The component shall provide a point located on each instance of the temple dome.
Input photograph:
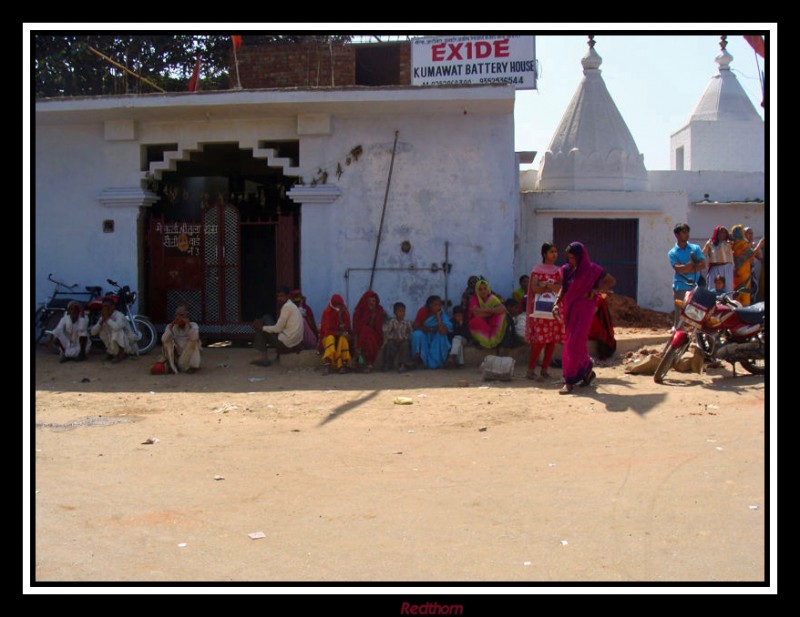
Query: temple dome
(592, 147)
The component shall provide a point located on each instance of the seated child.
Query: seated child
(459, 337)
(719, 285)
(515, 331)
(397, 340)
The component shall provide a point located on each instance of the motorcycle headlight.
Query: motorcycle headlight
(694, 313)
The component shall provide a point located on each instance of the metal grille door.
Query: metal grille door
(612, 243)
(222, 294)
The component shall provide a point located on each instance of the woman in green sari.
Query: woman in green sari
(487, 316)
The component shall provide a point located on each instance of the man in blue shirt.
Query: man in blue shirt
(688, 263)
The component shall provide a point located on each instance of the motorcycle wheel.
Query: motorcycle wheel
(755, 366)
(147, 334)
(668, 358)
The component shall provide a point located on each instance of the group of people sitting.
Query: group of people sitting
(372, 335)
(554, 304)
(72, 337)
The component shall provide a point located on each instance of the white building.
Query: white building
(192, 197)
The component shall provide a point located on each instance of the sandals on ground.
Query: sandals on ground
(589, 378)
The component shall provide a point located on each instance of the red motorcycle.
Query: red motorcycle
(124, 299)
(722, 329)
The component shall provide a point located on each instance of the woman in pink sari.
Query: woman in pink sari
(577, 301)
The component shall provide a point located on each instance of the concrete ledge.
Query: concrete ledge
(473, 356)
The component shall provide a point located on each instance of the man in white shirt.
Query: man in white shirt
(285, 335)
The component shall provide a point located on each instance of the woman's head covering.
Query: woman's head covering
(737, 233)
(362, 308)
(335, 316)
(581, 279)
(715, 236)
(336, 302)
(363, 315)
(491, 300)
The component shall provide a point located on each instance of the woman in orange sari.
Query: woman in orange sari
(368, 328)
(743, 255)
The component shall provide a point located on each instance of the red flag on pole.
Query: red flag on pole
(195, 74)
(237, 41)
(756, 42)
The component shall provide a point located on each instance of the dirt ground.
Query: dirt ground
(282, 475)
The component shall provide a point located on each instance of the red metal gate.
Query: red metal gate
(225, 282)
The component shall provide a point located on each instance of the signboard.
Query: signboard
(475, 60)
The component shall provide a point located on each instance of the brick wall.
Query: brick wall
(294, 65)
(305, 65)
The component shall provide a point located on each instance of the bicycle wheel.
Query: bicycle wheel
(50, 321)
(147, 335)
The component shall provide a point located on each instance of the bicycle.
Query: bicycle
(50, 312)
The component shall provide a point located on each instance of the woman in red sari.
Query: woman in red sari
(334, 335)
(577, 302)
(542, 333)
(368, 328)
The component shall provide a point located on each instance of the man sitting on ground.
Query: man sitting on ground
(115, 332)
(71, 335)
(284, 336)
(181, 342)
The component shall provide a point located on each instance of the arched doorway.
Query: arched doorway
(222, 237)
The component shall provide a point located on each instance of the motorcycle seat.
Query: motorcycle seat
(752, 314)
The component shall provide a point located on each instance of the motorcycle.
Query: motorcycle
(722, 329)
(124, 299)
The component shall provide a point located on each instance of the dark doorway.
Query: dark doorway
(258, 264)
(612, 243)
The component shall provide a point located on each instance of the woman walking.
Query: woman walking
(577, 302)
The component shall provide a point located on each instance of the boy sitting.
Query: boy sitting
(397, 340)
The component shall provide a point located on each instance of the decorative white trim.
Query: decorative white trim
(587, 211)
(321, 194)
(126, 197)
